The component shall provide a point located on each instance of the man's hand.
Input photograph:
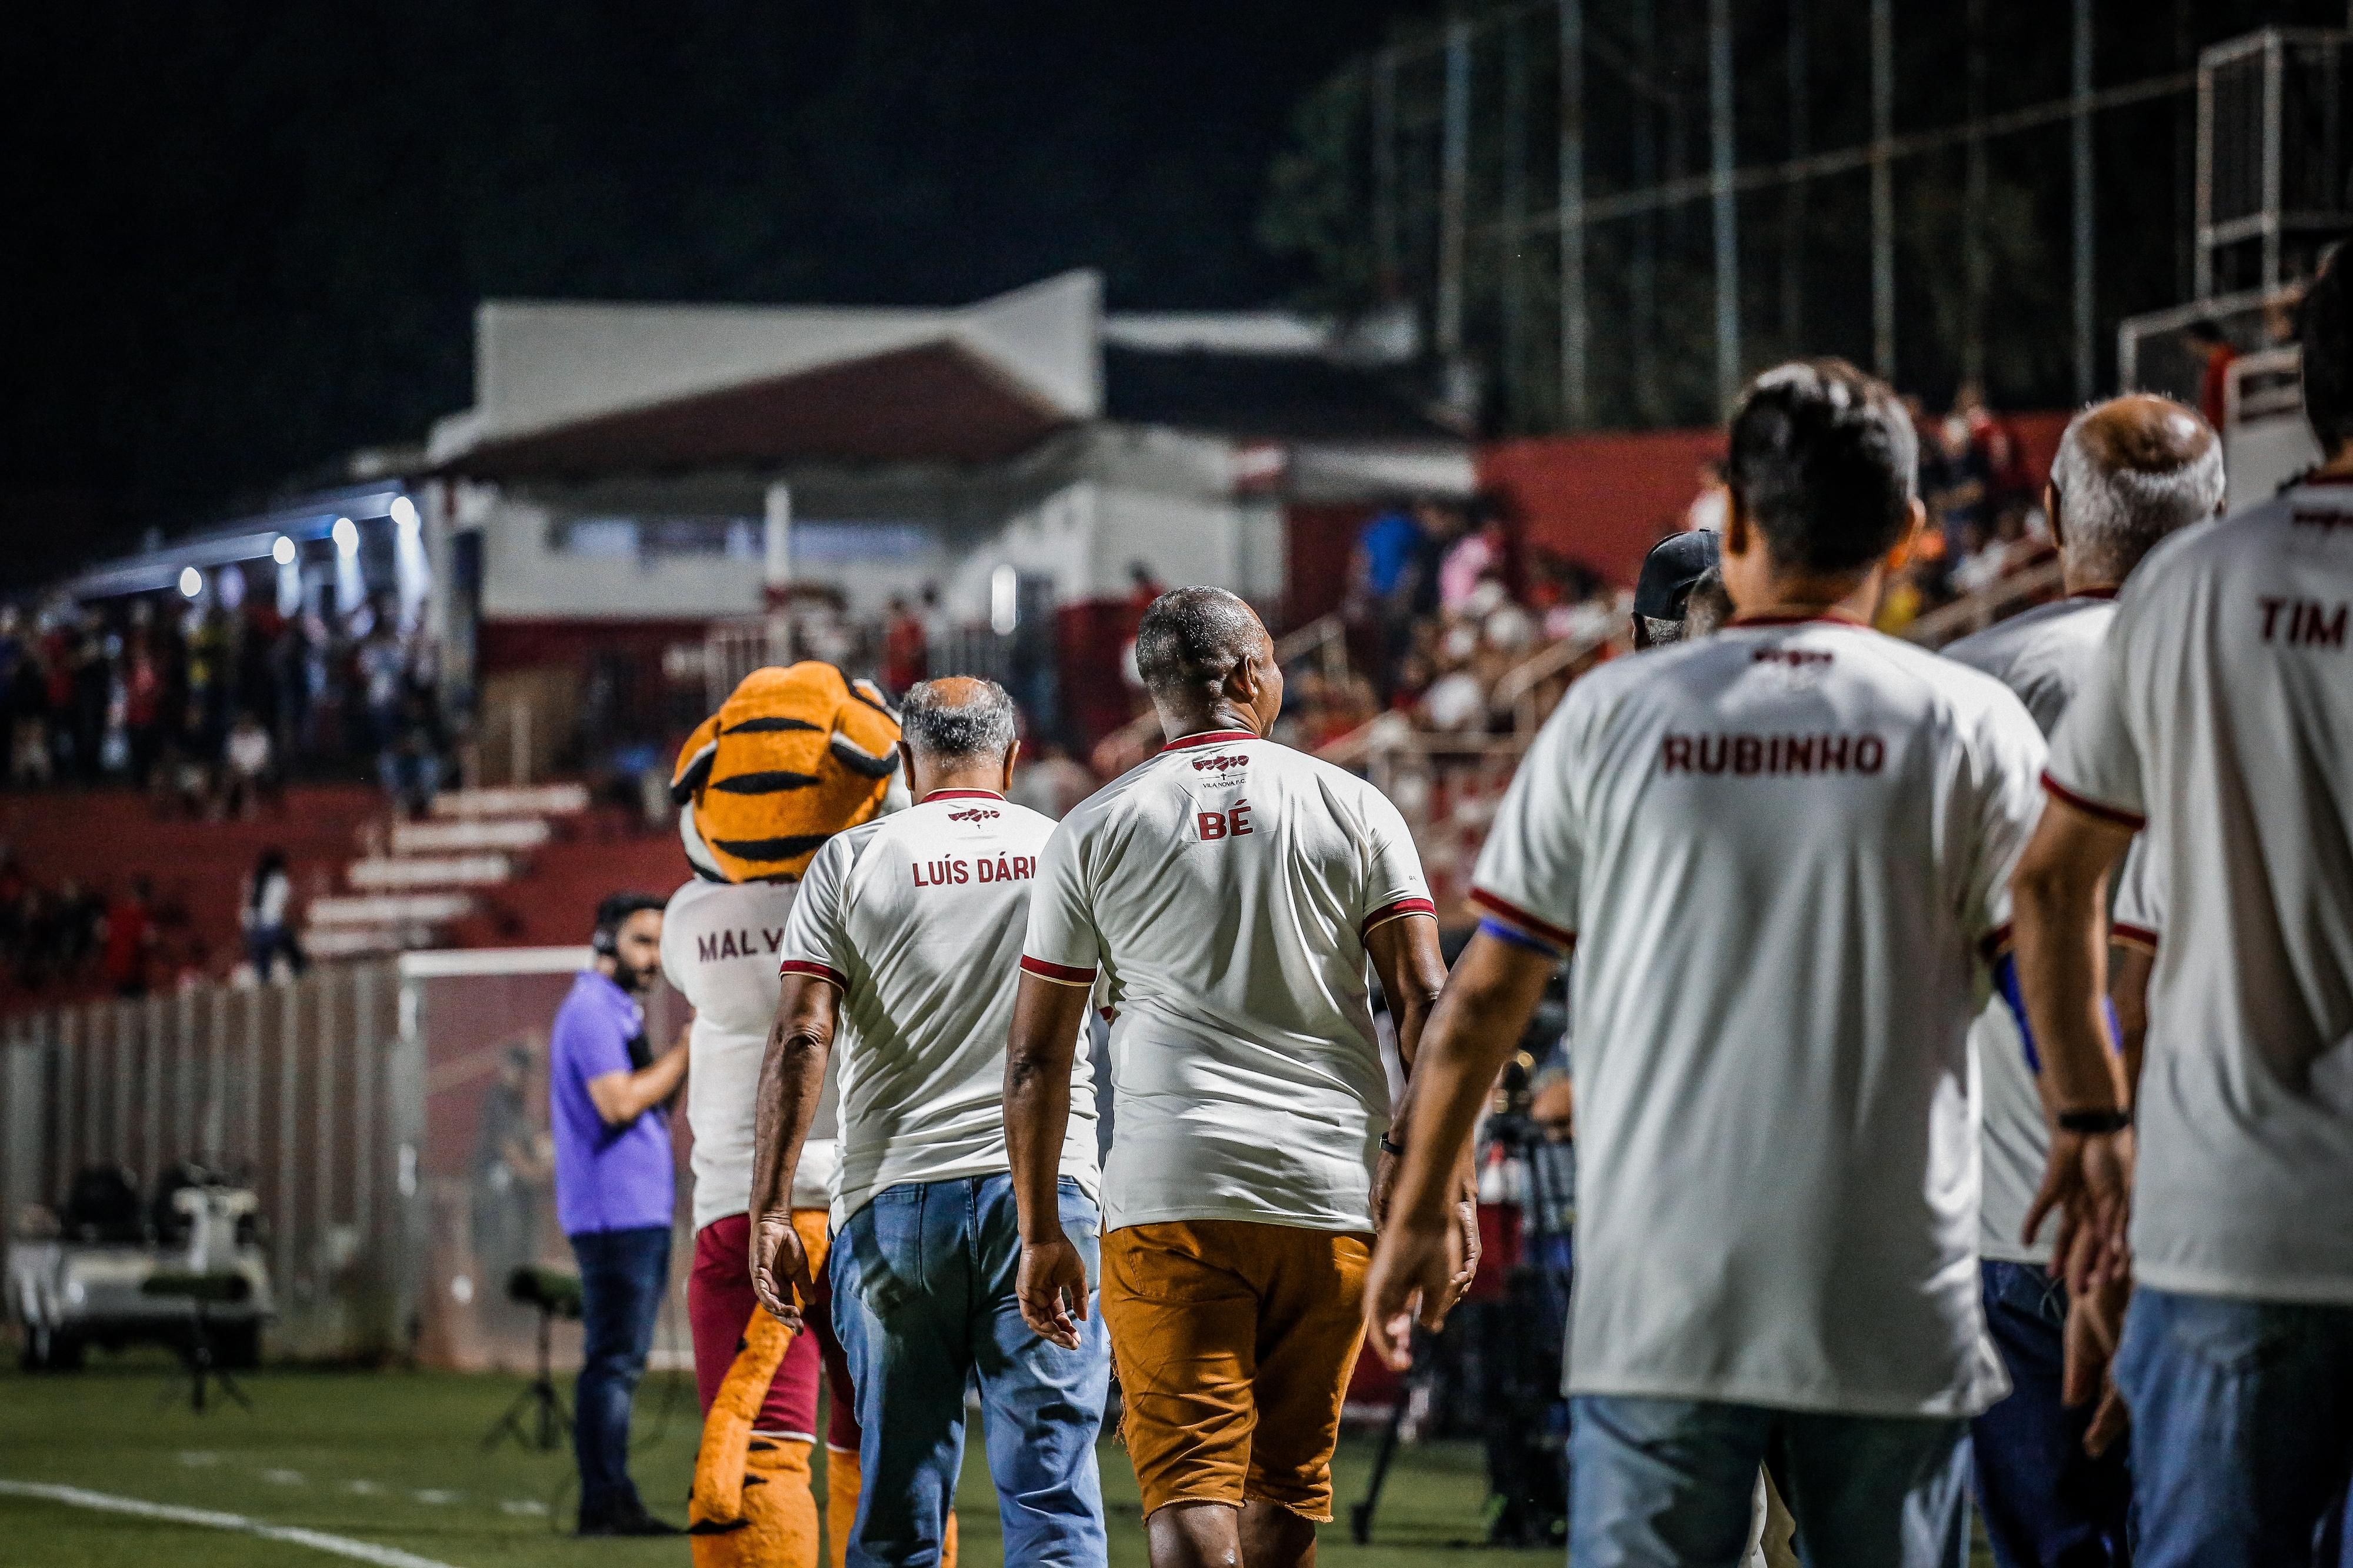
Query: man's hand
(1468, 1247)
(1051, 1288)
(2096, 1323)
(2088, 1182)
(1415, 1273)
(780, 1271)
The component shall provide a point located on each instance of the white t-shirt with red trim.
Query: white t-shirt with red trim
(1781, 852)
(1224, 890)
(2220, 710)
(2043, 655)
(918, 918)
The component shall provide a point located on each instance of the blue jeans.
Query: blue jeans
(623, 1274)
(922, 1301)
(2242, 1426)
(2044, 1499)
(1666, 1483)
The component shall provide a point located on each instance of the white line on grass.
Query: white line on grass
(317, 1540)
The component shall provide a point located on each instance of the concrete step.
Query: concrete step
(429, 871)
(391, 909)
(461, 834)
(362, 941)
(523, 800)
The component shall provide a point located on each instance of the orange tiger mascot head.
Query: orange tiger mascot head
(794, 756)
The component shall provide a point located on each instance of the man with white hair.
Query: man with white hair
(905, 945)
(2128, 473)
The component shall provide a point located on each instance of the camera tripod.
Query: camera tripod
(538, 1418)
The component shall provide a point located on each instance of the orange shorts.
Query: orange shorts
(1234, 1341)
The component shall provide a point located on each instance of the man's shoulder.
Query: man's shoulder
(2063, 622)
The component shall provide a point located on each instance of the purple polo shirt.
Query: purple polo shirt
(606, 1178)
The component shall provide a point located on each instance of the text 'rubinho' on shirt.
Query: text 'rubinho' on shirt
(1224, 890)
(2043, 655)
(2221, 712)
(918, 919)
(1781, 853)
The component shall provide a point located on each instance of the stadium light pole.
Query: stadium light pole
(1574, 327)
(1793, 240)
(1643, 277)
(1973, 201)
(1514, 297)
(1453, 190)
(1727, 208)
(1387, 281)
(2086, 352)
(1883, 189)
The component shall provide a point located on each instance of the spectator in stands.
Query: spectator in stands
(267, 917)
(1050, 782)
(1479, 551)
(130, 938)
(249, 772)
(905, 650)
(410, 764)
(615, 1194)
(2215, 353)
(1385, 576)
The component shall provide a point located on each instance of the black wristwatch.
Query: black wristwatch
(2094, 1123)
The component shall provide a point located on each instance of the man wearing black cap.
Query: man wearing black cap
(1663, 593)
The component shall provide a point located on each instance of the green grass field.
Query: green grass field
(393, 1459)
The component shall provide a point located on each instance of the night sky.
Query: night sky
(254, 233)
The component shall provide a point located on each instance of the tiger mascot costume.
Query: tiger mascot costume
(793, 757)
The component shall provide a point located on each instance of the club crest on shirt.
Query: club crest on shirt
(973, 813)
(1222, 764)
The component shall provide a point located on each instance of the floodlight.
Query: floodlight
(191, 582)
(347, 537)
(282, 550)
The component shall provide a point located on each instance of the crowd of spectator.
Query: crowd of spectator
(210, 706)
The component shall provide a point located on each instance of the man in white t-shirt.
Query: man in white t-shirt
(1228, 894)
(905, 948)
(2127, 473)
(1780, 853)
(2219, 715)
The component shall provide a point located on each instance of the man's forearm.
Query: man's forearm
(792, 1080)
(1038, 1056)
(2062, 952)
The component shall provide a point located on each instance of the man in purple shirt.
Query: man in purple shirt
(615, 1192)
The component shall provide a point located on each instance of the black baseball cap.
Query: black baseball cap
(1669, 571)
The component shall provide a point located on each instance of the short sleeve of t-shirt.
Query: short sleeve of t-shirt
(1394, 885)
(1528, 872)
(2094, 762)
(2008, 770)
(1062, 945)
(815, 943)
(2136, 915)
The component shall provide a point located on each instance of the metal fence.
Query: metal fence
(295, 1089)
(390, 1116)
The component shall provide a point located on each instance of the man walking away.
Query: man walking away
(615, 1190)
(2219, 713)
(1230, 892)
(904, 945)
(2128, 473)
(1777, 1171)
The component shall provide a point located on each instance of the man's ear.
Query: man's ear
(1901, 556)
(2051, 512)
(1012, 756)
(1737, 524)
(907, 762)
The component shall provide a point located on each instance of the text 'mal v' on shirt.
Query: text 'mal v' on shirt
(1223, 891)
(1779, 853)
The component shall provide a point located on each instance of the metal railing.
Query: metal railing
(1948, 622)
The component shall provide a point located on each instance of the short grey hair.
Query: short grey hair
(2121, 492)
(938, 726)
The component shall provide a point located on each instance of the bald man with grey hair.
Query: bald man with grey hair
(905, 948)
(2129, 473)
